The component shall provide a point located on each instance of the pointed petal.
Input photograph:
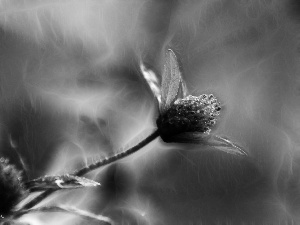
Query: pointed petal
(215, 141)
(225, 145)
(171, 79)
(152, 81)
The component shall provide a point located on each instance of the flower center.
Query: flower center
(190, 114)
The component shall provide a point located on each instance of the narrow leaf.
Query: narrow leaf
(71, 210)
(66, 181)
(11, 222)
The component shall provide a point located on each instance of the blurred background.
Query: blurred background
(71, 92)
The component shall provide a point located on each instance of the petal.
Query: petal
(152, 80)
(225, 145)
(171, 80)
(215, 141)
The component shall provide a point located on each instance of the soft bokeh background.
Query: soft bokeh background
(71, 92)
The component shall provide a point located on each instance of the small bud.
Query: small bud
(66, 181)
(11, 187)
(190, 114)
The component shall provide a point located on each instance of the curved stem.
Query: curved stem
(117, 156)
(94, 166)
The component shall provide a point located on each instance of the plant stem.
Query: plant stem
(117, 156)
(94, 166)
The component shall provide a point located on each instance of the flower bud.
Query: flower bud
(190, 114)
(11, 186)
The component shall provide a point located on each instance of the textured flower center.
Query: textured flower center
(190, 114)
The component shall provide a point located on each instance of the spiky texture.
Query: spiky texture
(11, 186)
(190, 114)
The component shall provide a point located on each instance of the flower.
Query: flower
(190, 114)
(11, 187)
(13, 190)
(185, 118)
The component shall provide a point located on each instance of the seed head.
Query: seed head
(11, 186)
(190, 114)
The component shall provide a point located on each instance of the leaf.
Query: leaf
(12, 222)
(152, 81)
(66, 181)
(171, 79)
(71, 210)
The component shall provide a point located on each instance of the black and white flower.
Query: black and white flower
(185, 118)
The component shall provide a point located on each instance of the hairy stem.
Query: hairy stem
(118, 156)
(94, 166)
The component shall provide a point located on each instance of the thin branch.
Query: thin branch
(96, 165)
(65, 209)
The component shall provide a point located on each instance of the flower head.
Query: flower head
(11, 186)
(185, 118)
(190, 114)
